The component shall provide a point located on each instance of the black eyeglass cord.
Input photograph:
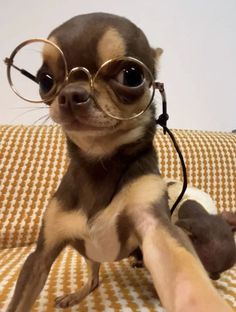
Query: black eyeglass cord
(162, 121)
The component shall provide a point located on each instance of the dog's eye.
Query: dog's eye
(130, 76)
(45, 82)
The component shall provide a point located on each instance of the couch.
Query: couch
(33, 160)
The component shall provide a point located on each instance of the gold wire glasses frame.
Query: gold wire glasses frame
(67, 74)
(9, 62)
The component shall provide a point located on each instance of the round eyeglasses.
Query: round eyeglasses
(37, 71)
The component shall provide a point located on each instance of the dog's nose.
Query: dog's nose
(72, 97)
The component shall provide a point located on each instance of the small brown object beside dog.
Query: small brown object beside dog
(211, 235)
(112, 198)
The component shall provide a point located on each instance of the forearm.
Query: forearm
(179, 277)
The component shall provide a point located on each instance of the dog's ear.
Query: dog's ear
(157, 54)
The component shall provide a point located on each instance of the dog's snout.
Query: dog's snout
(73, 96)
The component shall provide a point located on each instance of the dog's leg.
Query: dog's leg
(66, 301)
(179, 278)
(33, 275)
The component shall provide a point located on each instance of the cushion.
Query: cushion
(32, 162)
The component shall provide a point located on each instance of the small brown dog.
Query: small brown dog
(112, 198)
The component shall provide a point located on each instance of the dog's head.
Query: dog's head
(87, 116)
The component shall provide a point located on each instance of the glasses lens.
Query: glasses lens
(129, 86)
(36, 71)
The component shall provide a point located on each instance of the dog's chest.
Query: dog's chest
(105, 238)
(105, 243)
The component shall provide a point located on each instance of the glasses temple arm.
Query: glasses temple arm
(24, 72)
(162, 120)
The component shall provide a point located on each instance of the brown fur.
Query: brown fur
(112, 184)
(211, 236)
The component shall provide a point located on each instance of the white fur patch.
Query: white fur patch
(192, 193)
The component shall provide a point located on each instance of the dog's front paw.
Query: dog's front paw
(67, 301)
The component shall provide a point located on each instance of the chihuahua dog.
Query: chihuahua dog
(112, 198)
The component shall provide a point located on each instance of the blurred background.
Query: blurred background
(198, 66)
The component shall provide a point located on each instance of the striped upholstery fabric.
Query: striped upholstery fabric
(32, 162)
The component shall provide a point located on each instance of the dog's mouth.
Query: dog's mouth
(85, 117)
(80, 123)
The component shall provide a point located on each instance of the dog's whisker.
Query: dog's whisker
(41, 118)
(24, 113)
(46, 120)
(103, 165)
(29, 107)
